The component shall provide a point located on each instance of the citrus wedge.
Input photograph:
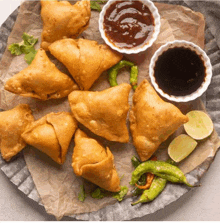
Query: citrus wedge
(181, 147)
(199, 126)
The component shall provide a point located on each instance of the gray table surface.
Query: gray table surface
(201, 203)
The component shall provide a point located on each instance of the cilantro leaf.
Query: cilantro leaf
(26, 49)
(94, 5)
(26, 46)
(120, 195)
(15, 49)
(29, 39)
(99, 193)
(82, 194)
(30, 56)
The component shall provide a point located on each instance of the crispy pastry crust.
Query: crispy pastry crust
(41, 80)
(95, 163)
(152, 120)
(52, 134)
(12, 124)
(104, 112)
(63, 20)
(85, 59)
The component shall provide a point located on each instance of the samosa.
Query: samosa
(52, 134)
(103, 112)
(41, 79)
(61, 20)
(12, 124)
(94, 163)
(152, 120)
(85, 59)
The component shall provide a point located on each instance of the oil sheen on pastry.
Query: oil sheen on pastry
(152, 120)
(41, 79)
(85, 59)
(61, 20)
(52, 134)
(103, 112)
(12, 124)
(94, 163)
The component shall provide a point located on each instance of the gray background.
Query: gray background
(202, 203)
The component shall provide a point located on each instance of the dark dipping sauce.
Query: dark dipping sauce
(179, 71)
(128, 24)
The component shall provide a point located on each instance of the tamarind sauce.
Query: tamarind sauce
(128, 24)
(179, 71)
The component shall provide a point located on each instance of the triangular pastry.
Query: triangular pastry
(103, 112)
(12, 124)
(85, 59)
(61, 20)
(152, 120)
(41, 80)
(52, 134)
(94, 163)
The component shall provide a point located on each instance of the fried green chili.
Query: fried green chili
(162, 169)
(136, 162)
(133, 77)
(137, 191)
(113, 72)
(156, 188)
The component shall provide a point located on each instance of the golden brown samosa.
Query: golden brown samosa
(41, 80)
(12, 124)
(152, 120)
(94, 163)
(85, 59)
(103, 112)
(63, 20)
(52, 134)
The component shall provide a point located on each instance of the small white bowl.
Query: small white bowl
(203, 56)
(141, 47)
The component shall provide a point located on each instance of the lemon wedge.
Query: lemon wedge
(181, 147)
(199, 126)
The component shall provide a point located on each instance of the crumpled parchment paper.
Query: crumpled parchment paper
(57, 185)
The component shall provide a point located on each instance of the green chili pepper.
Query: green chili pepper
(113, 72)
(156, 188)
(133, 77)
(136, 162)
(162, 169)
(137, 191)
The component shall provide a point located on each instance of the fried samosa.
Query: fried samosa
(52, 134)
(104, 112)
(94, 163)
(12, 124)
(152, 120)
(85, 59)
(63, 20)
(41, 80)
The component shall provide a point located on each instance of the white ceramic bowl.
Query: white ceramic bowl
(203, 56)
(141, 47)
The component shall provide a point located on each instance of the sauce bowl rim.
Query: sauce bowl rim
(142, 47)
(198, 51)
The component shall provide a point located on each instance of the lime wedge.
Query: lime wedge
(199, 126)
(181, 147)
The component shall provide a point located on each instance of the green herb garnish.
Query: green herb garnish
(26, 46)
(99, 193)
(82, 194)
(121, 194)
(95, 5)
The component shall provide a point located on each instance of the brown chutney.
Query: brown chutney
(179, 71)
(128, 24)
